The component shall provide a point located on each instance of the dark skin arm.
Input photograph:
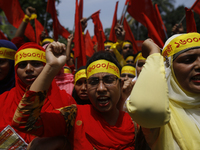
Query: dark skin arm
(21, 29)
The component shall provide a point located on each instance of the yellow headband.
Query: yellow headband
(124, 43)
(108, 44)
(102, 66)
(30, 54)
(129, 58)
(139, 57)
(128, 69)
(67, 70)
(182, 42)
(47, 40)
(7, 53)
(80, 74)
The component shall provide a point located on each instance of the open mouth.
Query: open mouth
(196, 79)
(30, 78)
(103, 101)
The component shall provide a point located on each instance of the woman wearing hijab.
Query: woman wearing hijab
(29, 62)
(7, 73)
(165, 100)
(80, 87)
(97, 126)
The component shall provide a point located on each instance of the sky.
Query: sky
(66, 10)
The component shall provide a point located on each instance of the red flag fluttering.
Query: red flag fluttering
(129, 36)
(162, 29)
(196, 6)
(79, 47)
(190, 22)
(57, 27)
(38, 30)
(152, 33)
(15, 15)
(88, 45)
(98, 30)
(112, 36)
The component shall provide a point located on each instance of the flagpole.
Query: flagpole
(121, 23)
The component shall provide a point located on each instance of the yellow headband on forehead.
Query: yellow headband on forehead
(7, 53)
(80, 74)
(182, 42)
(102, 66)
(30, 54)
(108, 44)
(128, 69)
(47, 40)
(139, 57)
(124, 43)
(67, 70)
(129, 58)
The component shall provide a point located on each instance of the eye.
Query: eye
(93, 81)
(108, 79)
(36, 63)
(3, 61)
(131, 76)
(123, 75)
(189, 60)
(79, 83)
(22, 64)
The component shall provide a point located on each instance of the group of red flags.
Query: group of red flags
(147, 14)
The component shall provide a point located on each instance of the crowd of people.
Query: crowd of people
(119, 100)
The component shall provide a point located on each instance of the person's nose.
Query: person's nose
(101, 87)
(84, 87)
(29, 68)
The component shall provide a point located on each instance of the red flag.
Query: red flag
(129, 36)
(98, 30)
(94, 40)
(79, 47)
(38, 30)
(162, 29)
(152, 33)
(2, 36)
(15, 15)
(80, 7)
(190, 22)
(57, 27)
(137, 7)
(196, 6)
(88, 45)
(139, 44)
(112, 36)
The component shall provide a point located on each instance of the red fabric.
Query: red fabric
(9, 100)
(196, 6)
(129, 36)
(190, 22)
(38, 30)
(96, 132)
(18, 41)
(162, 29)
(98, 30)
(88, 45)
(57, 27)
(112, 36)
(94, 40)
(152, 33)
(79, 45)
(139, 44)
(2, 36)
(137, 7)
(80, 7)
(15, 15)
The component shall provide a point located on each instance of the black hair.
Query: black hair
(103, 55)
(128, 41)
(108, 41)
(129, 54)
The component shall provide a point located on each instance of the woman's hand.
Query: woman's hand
(56, 54)
(149, 47)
